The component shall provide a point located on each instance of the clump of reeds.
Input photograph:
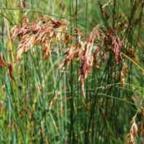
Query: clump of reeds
(88, 52)
(93, 50)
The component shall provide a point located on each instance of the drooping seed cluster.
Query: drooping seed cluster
(41, 32)
(89, 52)
(137, 128)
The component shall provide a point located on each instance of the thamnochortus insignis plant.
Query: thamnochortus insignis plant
(45, 31)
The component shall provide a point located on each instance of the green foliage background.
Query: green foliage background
(44, 104)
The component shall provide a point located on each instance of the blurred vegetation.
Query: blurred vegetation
(44, 104)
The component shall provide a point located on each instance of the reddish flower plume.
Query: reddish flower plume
(112, 40)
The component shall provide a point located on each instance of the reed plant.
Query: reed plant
(71, 72)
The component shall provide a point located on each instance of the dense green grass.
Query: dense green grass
(44, 104)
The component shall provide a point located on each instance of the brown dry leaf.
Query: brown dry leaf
(10, 68)
(2, 61)
(4, 64)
